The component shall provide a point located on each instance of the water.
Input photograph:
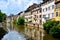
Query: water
(13, 34)
(16, 32)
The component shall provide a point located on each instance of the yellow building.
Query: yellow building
(57, 10)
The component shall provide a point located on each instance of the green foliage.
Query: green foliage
(21, 21)
(2, 17)
(15, 22)
(2, 32)
(49, 24)
(53, 28)
(55, 31)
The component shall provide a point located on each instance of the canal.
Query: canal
(21, 32)
(14, 32)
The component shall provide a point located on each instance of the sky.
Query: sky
(16, 6)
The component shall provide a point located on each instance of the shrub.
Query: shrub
(21, 21)
(49, 24)
(55, 31)
(15, 22)
(53, 28)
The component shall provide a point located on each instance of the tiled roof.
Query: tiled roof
(20, 13)
(32, 7)
(46, 2)
(57, 1)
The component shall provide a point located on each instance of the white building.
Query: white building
(33, 14)
(47, 10)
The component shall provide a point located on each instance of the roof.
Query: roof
(32, 7)
(46, 1)
(20, 13)
(58, 1)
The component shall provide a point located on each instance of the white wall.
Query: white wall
(48, 11)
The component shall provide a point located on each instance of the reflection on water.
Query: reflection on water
(34, 32)
(13, 34)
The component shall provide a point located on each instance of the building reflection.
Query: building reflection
(34, 32)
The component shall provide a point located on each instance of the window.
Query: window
(44, 16)
(36, 16)
(48, 8)
(40, 21)
(48, 15)
(43, 10)
(31, 13)
(52, 14)
(40, 16)
(57, 5)
(56, 14)
(52, 6)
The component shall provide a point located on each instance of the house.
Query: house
(20, 14)
(57, 10)
(47, 10)
(33, 14)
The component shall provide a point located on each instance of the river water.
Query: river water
(16, 32)
(13, 33)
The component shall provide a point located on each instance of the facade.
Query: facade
(10, 19)
(28, 17)
(47, 10)
(21, 14)
(33, 14)
(39, 13)
(57, 10)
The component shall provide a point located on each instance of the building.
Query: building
(47, 10)
(10, 19)
(33, 14)
(20, 14)
(57, 10)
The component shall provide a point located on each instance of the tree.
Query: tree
(15, 22)
(2, 16)
(49, 24)
(53, 28)
(55, 31)
(21, 21)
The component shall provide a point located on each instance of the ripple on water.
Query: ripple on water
(13, 35)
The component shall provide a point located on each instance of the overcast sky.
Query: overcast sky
(15, 6)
